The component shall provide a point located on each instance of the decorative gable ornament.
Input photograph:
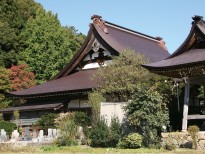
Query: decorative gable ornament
(96, 46)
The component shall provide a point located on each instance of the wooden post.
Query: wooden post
(186, 105)
(204, 94)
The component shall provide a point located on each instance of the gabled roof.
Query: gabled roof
(116, 38)
(120, 38)
(188, 57)
(112, 37)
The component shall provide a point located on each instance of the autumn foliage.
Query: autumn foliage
(21, 77)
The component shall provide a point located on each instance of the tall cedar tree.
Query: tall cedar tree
(5, 86)
(10, 23)
(13, 17)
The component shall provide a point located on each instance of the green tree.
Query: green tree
(99, 136)
(31, 35)
(147, 113)
(115, 131)
(16, 115)
(10, 24)
(95, 98)
(27, 9)
(68, 129)
(13, 18)
(118, 81)
(48, 46)
(125, 79)
(47, 121)
(5, 86)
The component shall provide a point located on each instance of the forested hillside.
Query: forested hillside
(34, 38)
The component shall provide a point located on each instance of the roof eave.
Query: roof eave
(194, 65)
(49, 94)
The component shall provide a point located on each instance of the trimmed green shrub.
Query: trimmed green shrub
(7, 126)
(99, 136)
(115, 131)
(146, 114)
(47, 121)
(132, 141)
(95, 97)
(81, 119)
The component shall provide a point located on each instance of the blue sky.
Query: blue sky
(170, 20)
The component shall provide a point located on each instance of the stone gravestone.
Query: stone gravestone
(54, 133)
(27, 134)
(50, 134)
(58, 132)
(41, 136)
(15, 135)
(3, 136)
(34, 134)
(80, 135)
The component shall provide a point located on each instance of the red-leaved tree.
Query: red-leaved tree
(21, 77)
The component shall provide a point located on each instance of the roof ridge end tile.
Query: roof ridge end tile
(99, 22)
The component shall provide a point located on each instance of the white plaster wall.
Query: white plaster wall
(110, 109)
(91, 65)
(96, 65)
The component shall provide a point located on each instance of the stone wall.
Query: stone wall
(183, 139)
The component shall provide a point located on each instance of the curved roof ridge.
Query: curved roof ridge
(198, 23)
(157, 39)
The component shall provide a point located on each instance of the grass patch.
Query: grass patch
(88, 150)
(13, 148)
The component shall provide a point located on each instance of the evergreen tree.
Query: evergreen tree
(118, 81)
(31, 35)
(48, 46)
(13, 17)
(5, 86)
(10, 23)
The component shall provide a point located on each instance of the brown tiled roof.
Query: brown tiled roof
(190, 57)
(191, 54)
(113, 37)
(54, 106)
(120, 38)
(74, 82)
(116, 39)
